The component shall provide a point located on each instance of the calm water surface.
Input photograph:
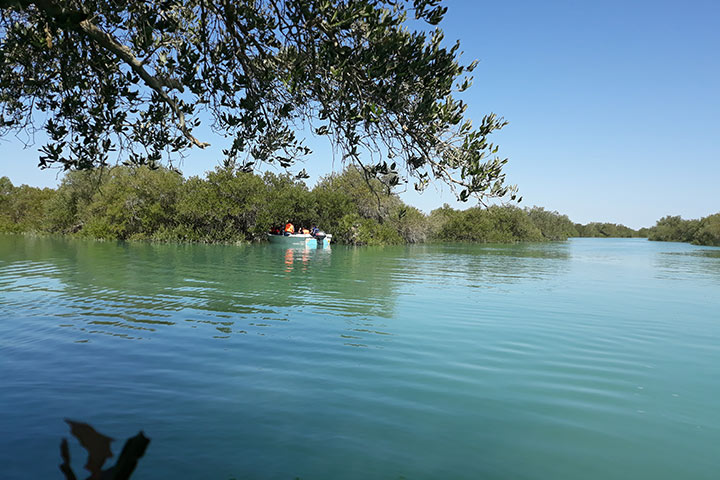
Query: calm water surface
(592, 359)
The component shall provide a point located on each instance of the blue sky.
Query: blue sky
(614, 107)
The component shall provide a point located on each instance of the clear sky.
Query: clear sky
(614, 107)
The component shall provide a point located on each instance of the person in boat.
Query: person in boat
(289, 228)
(305, 231)
(314, 230)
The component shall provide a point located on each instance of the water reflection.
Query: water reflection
(137, 290)
(683, 261)
(300, 257)
(490, 265)
(247, 351)
(116, 288)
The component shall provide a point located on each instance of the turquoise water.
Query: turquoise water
(592, 359)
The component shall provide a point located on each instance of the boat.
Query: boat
(320, 240)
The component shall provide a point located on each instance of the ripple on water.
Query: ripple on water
(460, 361)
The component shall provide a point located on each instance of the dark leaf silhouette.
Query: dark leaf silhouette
(65, 466)
(98, 447)
(96, 444)
(133, 450)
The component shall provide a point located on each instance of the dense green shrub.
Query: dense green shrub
(552, 225)
(709, 231)
(66, 211)
(363, 212)
(492, 225)
(705, 231)
(224, 207)
(230, 206)
(437, 220)
(356, 230)
(286, 199)
(370, 197)
(605, 230)
(133, 204)
(22, 209)
(331, 205)
(410, 223)
(674, 229)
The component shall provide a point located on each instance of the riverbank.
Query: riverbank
(227, 206)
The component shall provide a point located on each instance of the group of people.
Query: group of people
(290, 230)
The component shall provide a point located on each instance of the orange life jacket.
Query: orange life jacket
(289, 228)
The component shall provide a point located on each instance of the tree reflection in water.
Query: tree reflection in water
(138, 290)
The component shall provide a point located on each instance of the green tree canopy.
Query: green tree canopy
(129, 81)
(22, 208)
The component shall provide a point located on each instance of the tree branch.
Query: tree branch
(109, 43)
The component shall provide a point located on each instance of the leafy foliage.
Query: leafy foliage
(286, 198)
(230, 206)
(705, 231)
(492, 225)
(552, 225)
(604, 230)
(66, 211)
(222, 208)
(133, 204)
(411, 224)
(98, 448)
(22, 208)
(357, 230)
(130, 81)
(96, 444)
(438, 218)
(674, 229)
(709, 231)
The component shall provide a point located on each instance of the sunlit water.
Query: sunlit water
(586, 359)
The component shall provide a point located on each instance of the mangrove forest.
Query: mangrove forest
(229, 205)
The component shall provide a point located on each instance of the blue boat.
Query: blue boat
(320, 240)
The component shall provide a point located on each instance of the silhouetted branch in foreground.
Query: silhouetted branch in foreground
(98, 448)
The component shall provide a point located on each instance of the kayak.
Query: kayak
(301, 240)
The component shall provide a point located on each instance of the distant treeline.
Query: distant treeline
(705, 231)
(230, 206)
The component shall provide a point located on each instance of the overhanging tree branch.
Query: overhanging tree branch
(382, 92)
(109, 43)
